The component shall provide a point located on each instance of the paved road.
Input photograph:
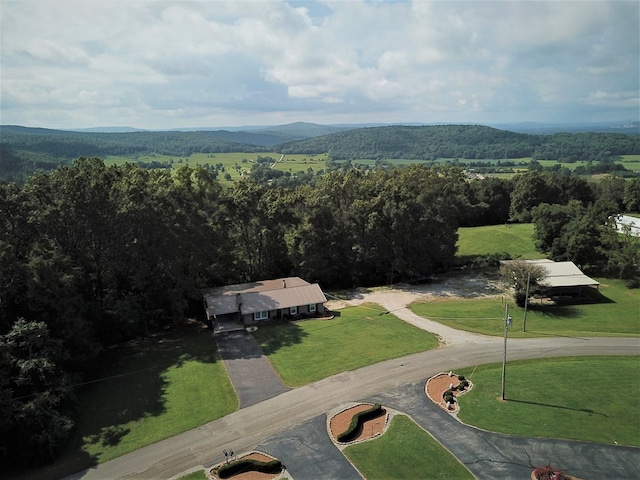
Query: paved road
(245, 429)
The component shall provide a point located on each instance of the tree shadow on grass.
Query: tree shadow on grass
(128, 386)
(584, 410)
(274, 337)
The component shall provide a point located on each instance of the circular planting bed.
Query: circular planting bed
(373, 420)
(247, 472)
(447, 386)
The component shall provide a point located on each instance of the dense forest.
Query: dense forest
(464, 141)
(26, 150)
(93, 255)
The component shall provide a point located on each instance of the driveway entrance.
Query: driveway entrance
(252, 375)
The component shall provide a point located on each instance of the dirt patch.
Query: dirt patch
(371, 428)
(438, 384)
(251, 474)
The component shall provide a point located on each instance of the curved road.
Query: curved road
(249, 426)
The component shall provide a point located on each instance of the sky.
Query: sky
(188, 64)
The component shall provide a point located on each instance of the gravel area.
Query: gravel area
(397, 298)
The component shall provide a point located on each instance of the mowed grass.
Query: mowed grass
(147, 392)
(199, 475)
(617, 314)
(593, 399)
(405, 451)
(311, 350)
(516, 239)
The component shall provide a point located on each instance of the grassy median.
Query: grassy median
(405, 451)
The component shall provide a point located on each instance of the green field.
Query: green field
(235, 164)
(616, 314)
(148, 392)
(405, 451)
(516, 239)
(631, 162)
(307, 351)
(593, 399)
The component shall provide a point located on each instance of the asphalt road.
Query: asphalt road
(285, 413)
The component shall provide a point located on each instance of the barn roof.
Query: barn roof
(562, 274)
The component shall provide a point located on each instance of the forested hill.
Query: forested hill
(464, 141)
(24, 150)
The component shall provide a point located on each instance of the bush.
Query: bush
(239, 466)
(461, 378)
(548, 473)
(356, 422)
(464, 383)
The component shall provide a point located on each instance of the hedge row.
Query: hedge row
(358, 419)
(239, 466)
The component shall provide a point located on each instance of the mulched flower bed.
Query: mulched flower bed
(440, 383)
(250, 474)
(371, 428)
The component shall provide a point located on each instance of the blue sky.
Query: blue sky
(179, 64)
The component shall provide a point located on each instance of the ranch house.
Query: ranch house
(238, 306)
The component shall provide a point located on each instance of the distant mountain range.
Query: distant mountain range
(300, 130)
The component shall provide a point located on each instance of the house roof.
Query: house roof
(563, 274)
(262, 296)
(282, 298)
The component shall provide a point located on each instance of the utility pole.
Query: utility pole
(526, 303)
(507, 323)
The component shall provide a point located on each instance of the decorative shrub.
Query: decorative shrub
(447, 393)
(548, 473)
(460, 387)
(239, 466)
(464, 383)
(449, 398)
(461, 377)
(358, 419)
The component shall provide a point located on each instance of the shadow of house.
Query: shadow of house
(234, 307)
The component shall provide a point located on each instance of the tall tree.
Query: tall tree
(37, 413)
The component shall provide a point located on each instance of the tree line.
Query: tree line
(92, 255)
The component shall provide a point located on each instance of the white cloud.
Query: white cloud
(164, 64)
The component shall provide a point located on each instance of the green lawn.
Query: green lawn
(149, 392)
(405, 451)
(311, 350)
(516, 239)
(617, 314)
(594, 399)
(199, 475)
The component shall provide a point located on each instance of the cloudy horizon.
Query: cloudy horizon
(185, 64)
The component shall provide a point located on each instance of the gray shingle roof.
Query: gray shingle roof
(262, 296)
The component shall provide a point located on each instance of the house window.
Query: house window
(312, 307)
(293, 310)
(261, 315)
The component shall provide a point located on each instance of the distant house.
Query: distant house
(627, 224)
(563, 278)
(237, 306)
